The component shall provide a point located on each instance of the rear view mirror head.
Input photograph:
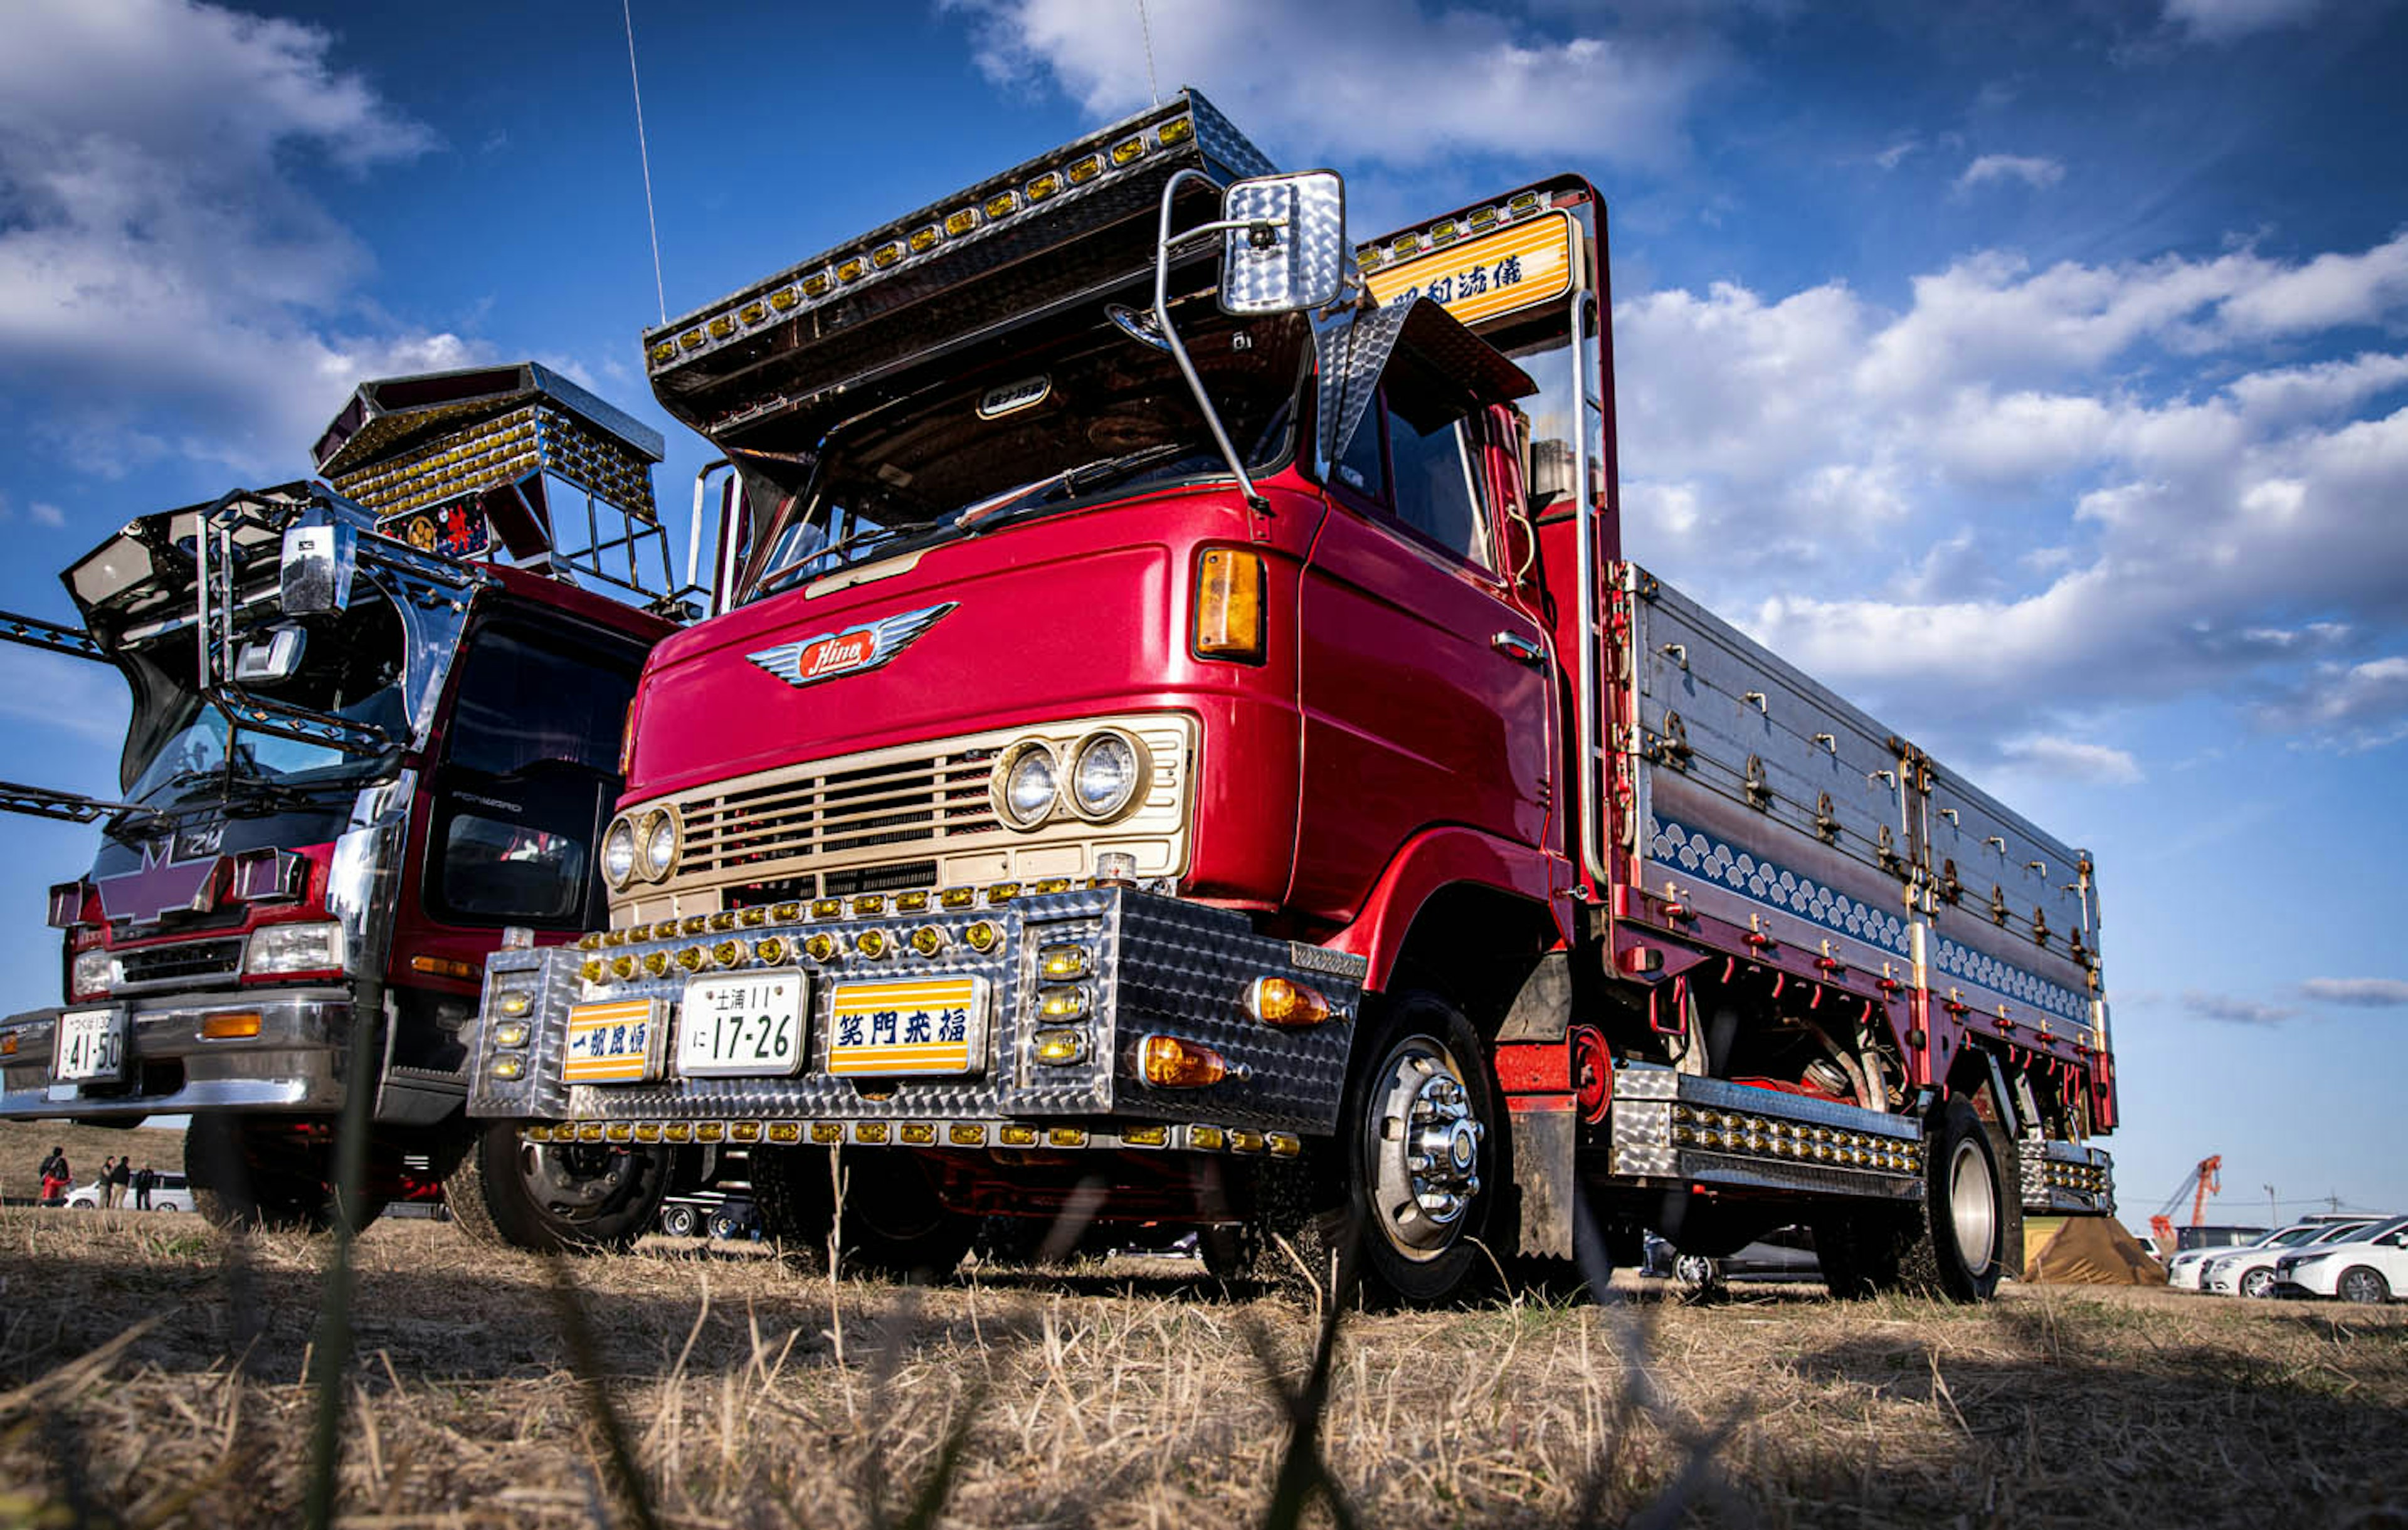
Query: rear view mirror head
(271, 656)
(315, 575)
(1291, 253)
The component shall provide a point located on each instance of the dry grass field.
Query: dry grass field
(150, 1373)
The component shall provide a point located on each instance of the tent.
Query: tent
(2093, 1251)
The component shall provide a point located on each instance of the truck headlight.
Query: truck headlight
(280, 949)
(657, 844)
(619, 853)
(92, 975)
(1027, 784)
(1106, 770)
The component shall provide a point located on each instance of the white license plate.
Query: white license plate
(908, 1027)
(742, 1026)
(616, 1042)
(91, 1045)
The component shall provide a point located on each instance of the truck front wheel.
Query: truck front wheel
(262, 1174)
(543, 1197)
(895, 1223)
(1425, 1153)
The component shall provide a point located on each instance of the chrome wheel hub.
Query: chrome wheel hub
(1421, 1149)
(1972, 1205)
(574, 1181)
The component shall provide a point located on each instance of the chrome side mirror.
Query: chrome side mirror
(315, 575)
(273, 656)
(1284, 245)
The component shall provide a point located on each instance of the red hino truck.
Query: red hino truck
(1177, 739)
(375, 730)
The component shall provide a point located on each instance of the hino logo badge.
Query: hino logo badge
(849, 651)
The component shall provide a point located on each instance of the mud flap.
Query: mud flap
(1544, 1126)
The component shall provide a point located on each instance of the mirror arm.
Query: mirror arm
(1163, 247)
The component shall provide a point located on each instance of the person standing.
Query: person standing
(120, 1180)
(56, 1177)
(143, 1180)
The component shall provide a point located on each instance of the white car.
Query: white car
(2188, 1270)
(171, 1194)
(2250, 1272)
(2370, 1268)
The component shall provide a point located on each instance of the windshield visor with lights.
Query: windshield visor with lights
(1095, 414)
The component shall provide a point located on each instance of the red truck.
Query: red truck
(1177, 739)
(375, 731)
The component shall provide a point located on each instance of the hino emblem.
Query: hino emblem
(849, 651)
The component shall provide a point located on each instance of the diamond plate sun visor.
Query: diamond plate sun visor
(1062, 227)
(1436, 370)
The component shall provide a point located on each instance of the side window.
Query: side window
(1361, 469)
(1436, 492)
(531, 768)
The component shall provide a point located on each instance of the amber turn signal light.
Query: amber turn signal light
(1169, 1063)
(1230, 604)
(233, 1027)
(1286, 1002)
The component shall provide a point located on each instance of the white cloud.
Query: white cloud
(2222, 21)
(1407, 84)
(2031, 169)
(2235, 1010)
(46, 514)
(2361, 992)
(2356, 707)
(2073, 759)
(160, 260)
(1895, 156)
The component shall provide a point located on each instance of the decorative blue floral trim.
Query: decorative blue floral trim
(1958, 960)
(1777, 887)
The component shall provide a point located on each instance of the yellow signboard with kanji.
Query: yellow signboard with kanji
(1514, 267)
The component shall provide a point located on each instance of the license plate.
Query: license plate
(748, 1026)
(906, 1028)
(91, 1045)
(619, 1042)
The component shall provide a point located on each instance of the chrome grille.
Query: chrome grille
(153, 966)
(837, 813)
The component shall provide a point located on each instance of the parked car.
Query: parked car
(2250, 1272)
(171, 1194)
(2214, 1236)
(2188, 1270)
(1785, 1254)
(2369, 1268)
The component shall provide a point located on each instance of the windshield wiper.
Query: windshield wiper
(786, 577)
(1070, 483)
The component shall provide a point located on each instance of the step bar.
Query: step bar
(1675, 1127)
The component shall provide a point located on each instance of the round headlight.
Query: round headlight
(1105, 775)
(1027, 784)
(659, 845)
(619, 852)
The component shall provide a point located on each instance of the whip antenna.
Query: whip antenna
(1151, 88)
(644, 154)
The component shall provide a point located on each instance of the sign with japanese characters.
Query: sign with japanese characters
(618, 1041)
(1516, 266)
(897, 1029)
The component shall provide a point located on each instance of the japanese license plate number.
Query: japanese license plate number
(91, 1045)
(617, 1041)
(748, 1026)
(928, 1026)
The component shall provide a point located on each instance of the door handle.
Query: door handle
(1519, 649)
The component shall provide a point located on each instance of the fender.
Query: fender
(1435, 858)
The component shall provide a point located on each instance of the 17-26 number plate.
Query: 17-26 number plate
(741, 1025)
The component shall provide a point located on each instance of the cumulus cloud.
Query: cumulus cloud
(2222, 21)
(2355, 707)
(2234, 1010)
(2031, 169)
(2073, 759)
(160, 257)
(1414, 83)
(2360, 993)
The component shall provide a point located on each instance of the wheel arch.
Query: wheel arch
(1463, 912)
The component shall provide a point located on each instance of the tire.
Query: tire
(1425, 1148)
(725, 1225)
(2364, 1286)
(1699, 1274)
(678, 1220)
(251, 1175)
(2256, 1283)
(1957, 1242)
(894, 1223)
(545, 1199)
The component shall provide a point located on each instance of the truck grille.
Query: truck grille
(839, 813)
(156, 966)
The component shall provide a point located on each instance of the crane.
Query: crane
(2201, 1183)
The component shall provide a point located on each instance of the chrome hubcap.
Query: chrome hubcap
(1972, 1205)
(1421, 1148)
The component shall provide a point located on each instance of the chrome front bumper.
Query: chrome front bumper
(292, 1064)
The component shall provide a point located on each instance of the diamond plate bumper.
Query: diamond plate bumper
(2068, 1178)
(1677, 1128)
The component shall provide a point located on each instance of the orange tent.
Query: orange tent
(2093, 1251)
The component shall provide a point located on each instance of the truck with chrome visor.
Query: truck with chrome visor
(374, 735)
(1176, 741)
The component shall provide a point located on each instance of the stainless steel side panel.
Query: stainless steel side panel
(2009, 903)
(1673, 1126)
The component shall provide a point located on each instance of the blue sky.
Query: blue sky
(2038, 374)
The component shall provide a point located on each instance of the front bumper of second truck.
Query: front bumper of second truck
(1042, 1015)
(173, 1054)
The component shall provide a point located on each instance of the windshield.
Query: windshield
(1092, 414)
(351, 666)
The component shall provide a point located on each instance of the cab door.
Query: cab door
(1425, 687)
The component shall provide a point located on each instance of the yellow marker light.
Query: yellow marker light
(771, 949)
(1210, 1138)
(235, 1027)
(1050, 885)
(623, 966)
(663, 352)
(513, 1001)
(1484, 219)
(919, 1134)
(1061, 1048)
(618, 1131)
(752, 313)
(784, 298)
(1146, 1137)
(1083, 171)
(1368, 258)
(1002, 893)
(752, 919)
(691, 339)
(957, 897)
(1230, 604)
(1166, 1062)
(924, 238)
(1404, 247)
(1062, 1004)
(708, 1131)
(928, 940)
(1003, 204)
(648, 1131)
(678, 1131)
(959, 223)
(1286, 1002)
(694, 924)
(728, 953)
(723, 919)
(1177, 131)
(828, 908)
(816, 284)
(820, 947)
(869, 903)
(967, 1137)
(1525, 201)
(910, 903)
(1016, 1137)
(656, 963)
(513, 1033)
(506, 1067)
(1284, 1144)
(1045, 186)
(1067, 1136)
(691, 958)
(982, 937)
(1128, 150)
(869, 1131)
(1242, 1140)
(592, 970)
(827, 1132)
(722, 327)
(786, 913)
(785, 1131)
(852, 270)
(587, 1131)
(1060, 964)
(872, 944)
(8, 1045)
(886, 255)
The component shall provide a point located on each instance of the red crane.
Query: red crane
(2201, 1183)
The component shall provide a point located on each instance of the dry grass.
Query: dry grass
(752, 1393)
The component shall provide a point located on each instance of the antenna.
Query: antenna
(1151, 88)
(644, 153)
